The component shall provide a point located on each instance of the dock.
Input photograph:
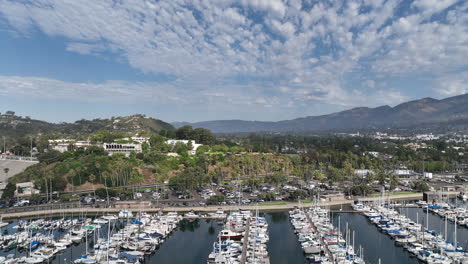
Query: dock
(245, 242)
(330, 255)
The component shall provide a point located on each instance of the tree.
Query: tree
(49, 157)
(6, 170)
(184, 132)
(157, 142)
(334, 174)
(319, 176)
(9, 191)
(216, 199)
(203, 136)
(381, 177)
(103, 193)
(189, 145)
(220, 148)
(276, 178)
(189, 179)
(203, 149)
(180, 148)
(361, 189)
(348, 169)
(421, 186)
(394, 180)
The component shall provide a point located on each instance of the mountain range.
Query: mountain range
(428, 114)
(423, 113)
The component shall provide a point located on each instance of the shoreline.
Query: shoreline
(263, 208)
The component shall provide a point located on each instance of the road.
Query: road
(62, 209)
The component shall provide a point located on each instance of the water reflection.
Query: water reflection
(283, 246)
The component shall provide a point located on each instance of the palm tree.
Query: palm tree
(6, 170)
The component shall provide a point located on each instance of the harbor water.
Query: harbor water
(193, 240)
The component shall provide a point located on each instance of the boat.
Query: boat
(228, 234)
(2, 224)
(125, 214)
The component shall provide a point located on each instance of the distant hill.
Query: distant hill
(19, 126)
(424, 113)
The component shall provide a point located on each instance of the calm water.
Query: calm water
(283, 246)
(191, 243)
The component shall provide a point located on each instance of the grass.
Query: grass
(274, 203)
(393, 193)
(284, 203)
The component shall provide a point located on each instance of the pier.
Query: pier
(322, 241)
(245, 242)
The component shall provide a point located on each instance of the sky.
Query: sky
(195, 60)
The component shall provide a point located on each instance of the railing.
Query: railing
(19, 158)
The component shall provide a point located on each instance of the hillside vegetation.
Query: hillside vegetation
(17, 126)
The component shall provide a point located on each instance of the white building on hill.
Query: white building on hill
(63, 145)
(363, 172)
(140, 140)
(195, 146)
(126, 149)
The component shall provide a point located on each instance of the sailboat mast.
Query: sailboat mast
(108, 241)
(446, 234)
(455, 235)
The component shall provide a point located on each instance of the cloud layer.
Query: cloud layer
(255, 52)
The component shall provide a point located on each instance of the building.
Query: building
(332, 197)
(402, 172)
(432, 197)
(374, 154)
(427, 175)
(427, 137)
(195, 146)
(415, 146)
(126, 149)
(140, 140)
(62, 145)
(363, 172)
(25, 189)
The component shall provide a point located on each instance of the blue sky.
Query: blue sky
(197, 60)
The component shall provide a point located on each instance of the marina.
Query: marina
(428, 245)
(243, 239)
(108, 239)
(320, 240)
(377, 233)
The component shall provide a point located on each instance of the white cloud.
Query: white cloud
(265, 43)
(274, 7)
(370, 83)
(430, 7)
(85, 48)
(452, 85)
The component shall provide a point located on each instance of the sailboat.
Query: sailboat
(3, 224)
